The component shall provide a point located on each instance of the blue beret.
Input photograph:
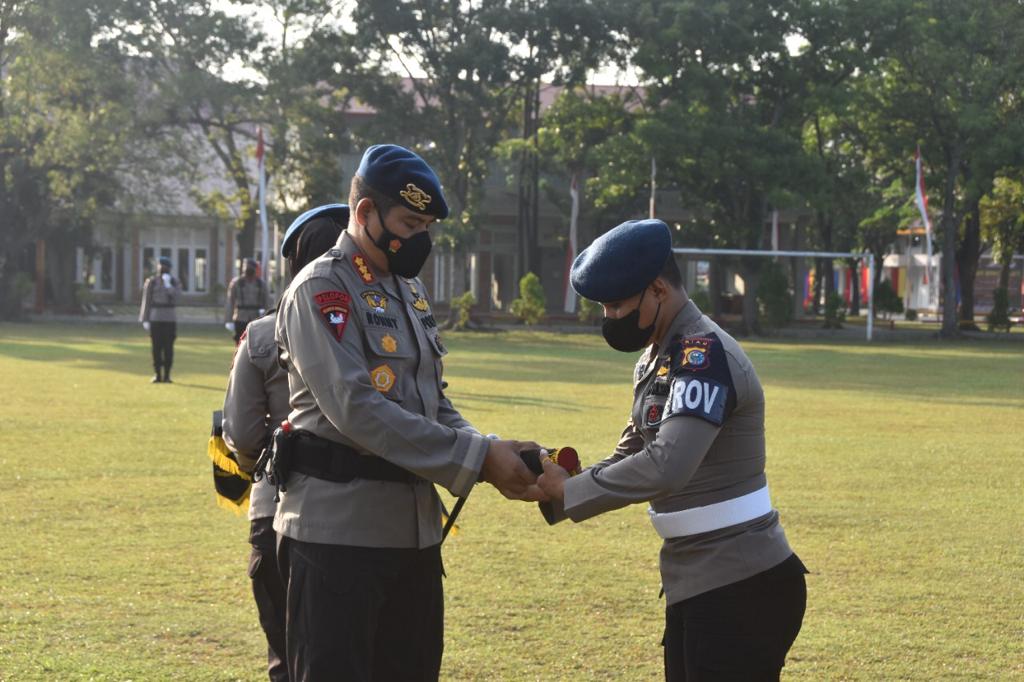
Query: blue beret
(164, 260)
(403, 176)
(291, 236)
(622, 262)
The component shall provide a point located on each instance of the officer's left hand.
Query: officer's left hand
(552, 481)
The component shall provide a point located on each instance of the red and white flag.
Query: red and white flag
(921, 199)
(572, 246)
(262, 171)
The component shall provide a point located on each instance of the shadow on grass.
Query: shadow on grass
(460, 398)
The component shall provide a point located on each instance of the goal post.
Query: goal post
(864, 256)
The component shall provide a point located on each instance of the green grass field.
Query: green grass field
(897, 470)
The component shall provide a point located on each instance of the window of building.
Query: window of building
(184, 266)
(201, 269)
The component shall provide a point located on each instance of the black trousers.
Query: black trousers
(161, 337)
(268, 589)
(361, 613)
(740, 632)
(240, 326)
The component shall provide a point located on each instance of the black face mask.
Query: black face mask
(625, 334)
(405, 256)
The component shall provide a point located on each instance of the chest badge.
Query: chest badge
(419, 303)
(376, 300)
(363, 269)
(382, 378)
(388, 343)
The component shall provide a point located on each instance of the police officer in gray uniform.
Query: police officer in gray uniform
(160, 296)
(694, 448)
(247, 299)
(255, 403)
(371, 433)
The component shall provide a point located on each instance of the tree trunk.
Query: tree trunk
(246, 240)
(716, 283)
(949, 229)
(967, 258)
(819, 274)
(751, 273)
(1004, 274)
(854, 265)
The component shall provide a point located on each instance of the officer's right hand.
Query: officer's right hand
(145, 325)
(230, 326)
(504, 469)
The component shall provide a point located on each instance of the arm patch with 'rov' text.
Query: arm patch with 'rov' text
(701, 382)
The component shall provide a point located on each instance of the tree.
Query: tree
(955, 78)
(65, 123)
(729, 90)
(1002, 222)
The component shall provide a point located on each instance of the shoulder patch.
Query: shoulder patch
(702, 385)
(334, 310)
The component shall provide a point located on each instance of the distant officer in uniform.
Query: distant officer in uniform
(160, 296)
(248, 298)
(255, 403)
(694, 448)
(360, 518)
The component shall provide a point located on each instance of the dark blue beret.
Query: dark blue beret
(403, 176)
(164, 260)
(291, 236)
(622, 262)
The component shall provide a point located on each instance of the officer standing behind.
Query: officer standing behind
(159, 298)
(255, 403)
(694, 448)
(372, 431)
(248, 298)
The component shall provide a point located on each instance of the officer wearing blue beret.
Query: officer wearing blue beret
(256, 401)
(694, 450)
(157, 314)
(370, 433)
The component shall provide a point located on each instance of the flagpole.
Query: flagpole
(654, 184)
(264, 237)
(921, 199)
(573, 245)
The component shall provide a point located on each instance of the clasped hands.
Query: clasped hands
(505, 470)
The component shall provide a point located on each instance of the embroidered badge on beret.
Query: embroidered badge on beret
(363, 269)
(376, 300)
(416, 197)
(382, 378)
(334, 307)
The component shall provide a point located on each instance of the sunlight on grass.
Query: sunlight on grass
(896, 469)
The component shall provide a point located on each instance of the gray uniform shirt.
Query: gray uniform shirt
(159, 300)
(256, 402)
(364, 361)
(682, 461)
(245, 299)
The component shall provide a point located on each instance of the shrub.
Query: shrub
(530, 305)
(835, 311)
(774, 297)
(886, 300)
(590, 311)
(999, 318)
(463, 304)
(911, 315)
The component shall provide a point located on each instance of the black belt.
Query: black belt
(331, 461)
(163, 305)
(249, 307)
